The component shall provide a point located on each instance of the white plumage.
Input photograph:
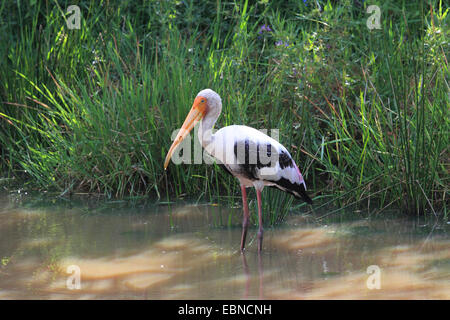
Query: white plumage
(227, 137)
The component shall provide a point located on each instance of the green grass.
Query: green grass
(365, 113)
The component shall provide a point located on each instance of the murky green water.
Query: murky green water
(188, 252)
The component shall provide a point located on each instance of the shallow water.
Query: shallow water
(189, 252)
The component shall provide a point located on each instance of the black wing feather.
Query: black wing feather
(297, 190)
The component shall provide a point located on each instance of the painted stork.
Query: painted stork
(254, 158)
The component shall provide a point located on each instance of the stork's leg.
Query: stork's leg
(261, 230)
(246, 217)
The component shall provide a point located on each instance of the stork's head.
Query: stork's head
(207, 104)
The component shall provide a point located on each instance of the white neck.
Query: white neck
(205, 134)
(214, 108)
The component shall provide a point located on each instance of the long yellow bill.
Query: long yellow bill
(197, 113)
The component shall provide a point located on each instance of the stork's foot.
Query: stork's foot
(244, 233)
(246, 219)
(260, 239)
(242, 248)
(260, 232)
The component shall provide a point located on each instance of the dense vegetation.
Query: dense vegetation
(365, 112)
